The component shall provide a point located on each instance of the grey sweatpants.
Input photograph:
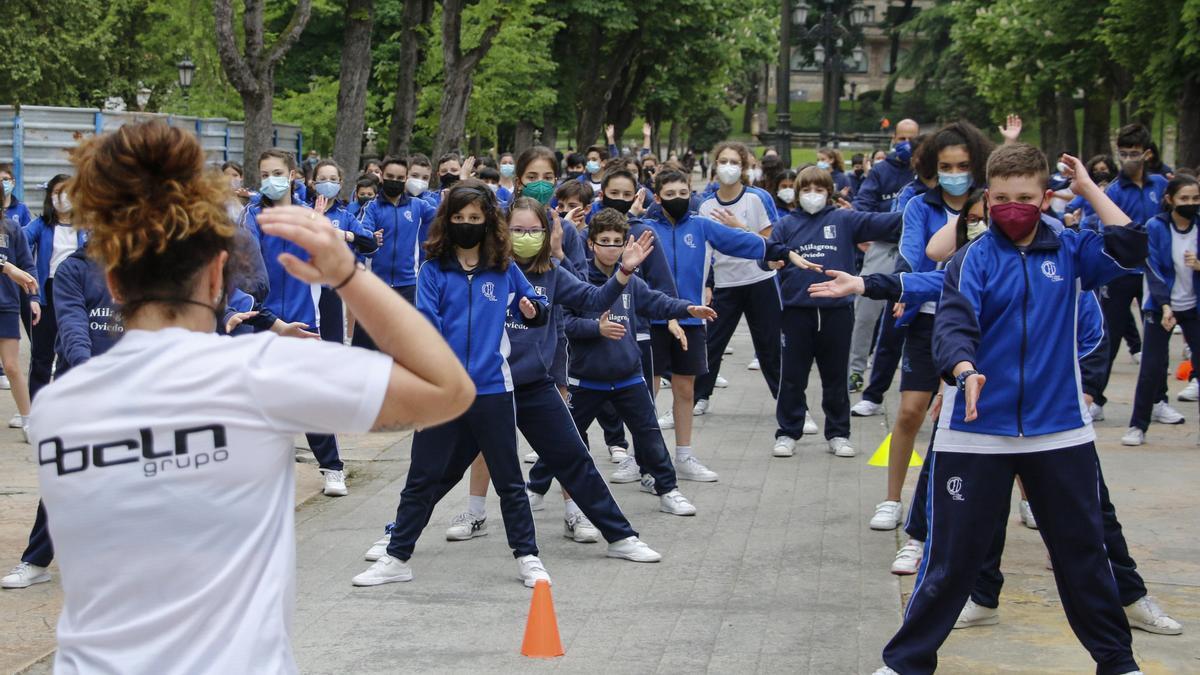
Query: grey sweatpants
(880, 259)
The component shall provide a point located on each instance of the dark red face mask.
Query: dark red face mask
(1015, 220)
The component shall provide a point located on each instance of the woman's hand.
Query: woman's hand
(676, 330)
(330, 263)
(840, 285)
(611, 329)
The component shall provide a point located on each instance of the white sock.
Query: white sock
(477, 506)
(682, 452)
(570, 508)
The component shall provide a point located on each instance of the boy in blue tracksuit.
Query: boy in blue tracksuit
(819, 328)
(1139, 194)
(466, 290)
(1171, 277)
(402, 221)
(605, 366)
(685, 239)
(10, 206)
(1007, 319)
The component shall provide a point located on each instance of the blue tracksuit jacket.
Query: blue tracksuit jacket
(405, 226)
(1160, 267)
(40, 236)
(882, 184)
(14, 249)
(88, 321)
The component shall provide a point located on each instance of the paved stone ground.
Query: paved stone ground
(777, 573)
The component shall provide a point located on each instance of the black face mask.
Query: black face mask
(448, 180)
(466, 235)
(574, 175)
(1188, 211)
(621, 205)
(858, 172)
(362, 201)
(676, 208)
(393, 188)
(1102, 177)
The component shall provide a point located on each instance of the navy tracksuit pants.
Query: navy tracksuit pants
(332, 324)
(636, 410)
(1116, 300)
(40, 550)
(1155, 367)
(821, 334)
(545, 421)
(440, 457)
(760, 303)
(889, 347)
(967, 491)
(607, 417)
(361, 338)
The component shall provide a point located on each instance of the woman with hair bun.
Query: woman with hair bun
(166, 463)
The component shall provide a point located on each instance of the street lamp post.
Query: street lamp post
(186, 70)
(783, 80)
(831, 34)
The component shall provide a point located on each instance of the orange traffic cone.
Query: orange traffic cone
(1184, 372)
(541, 631)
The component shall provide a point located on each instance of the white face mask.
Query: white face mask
(416, 187)
(729, 174)
(813, 202)
(975, 229)
(755, 174)
(61, 202)
(786, 195)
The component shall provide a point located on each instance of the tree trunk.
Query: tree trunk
(1068, 131)
(1048, 123)
(417, 14)
(549, 130)
(459, 74)
(673, 139)
(250, 68)
(594, 98)
(1097, 116)
(352, 89)
(1187, 142)
(749, 103)
(523, 137)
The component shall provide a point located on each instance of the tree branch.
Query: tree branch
(291, 33)
(252, 27)
(451, 33)
(474, 55)
(236, 68)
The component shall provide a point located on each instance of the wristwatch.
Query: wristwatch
(962, 378)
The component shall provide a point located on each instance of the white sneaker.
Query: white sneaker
(531, 570)
(675, 504)
(753, 365)
(692, 469)
(617, 454)
(701, 407)
(4, 383)
(1097, 412)
(530, 457)
(885, 671)
(647, 483)
(536, 502)
(841, 447)
(466, 526)
(667, 421)
(335, 483)
(908, 558)
(1145, 614)
(16, 421)
(1191, 392)
(784, 447)
(1027, 518)
(810, 425)
(1165, 414)
(627, 472)
(973, 615)
(1134, 436)
(25, 575)
(887, 516)
(632, 548)
(721, 383)
(728, 350)
(1137, 358)
(386, 570)
(378, 549)
(579, 528)
(865, 408)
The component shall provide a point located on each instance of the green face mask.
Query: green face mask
(527, 246)
(541, 190)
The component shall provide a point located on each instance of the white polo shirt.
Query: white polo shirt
(166, 468)
(730, 271)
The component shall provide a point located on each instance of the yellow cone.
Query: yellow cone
(880, 458)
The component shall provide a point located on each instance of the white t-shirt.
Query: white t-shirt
(166, 468)
(729, 271)
(66, 240)
(1183, 293)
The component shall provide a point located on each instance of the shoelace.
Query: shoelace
(20, 568)
(909, 551)
(464, 518)
(882, 507)
(535, 566)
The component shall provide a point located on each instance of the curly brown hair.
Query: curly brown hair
(157, 215)
(495, 252)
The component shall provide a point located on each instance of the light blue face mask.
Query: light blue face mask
(508, 170)
(593, 166)
(275, 187)
(328, 189)
(8, 187)
(955, 184)
(823, 165)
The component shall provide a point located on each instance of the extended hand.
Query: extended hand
(702, 312)
(799, 261)
(974, 387)
(840, 285)
(611, 329)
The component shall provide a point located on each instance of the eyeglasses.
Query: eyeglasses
(526, 233)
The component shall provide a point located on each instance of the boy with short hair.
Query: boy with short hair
(1007, 315)
(420, 172)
